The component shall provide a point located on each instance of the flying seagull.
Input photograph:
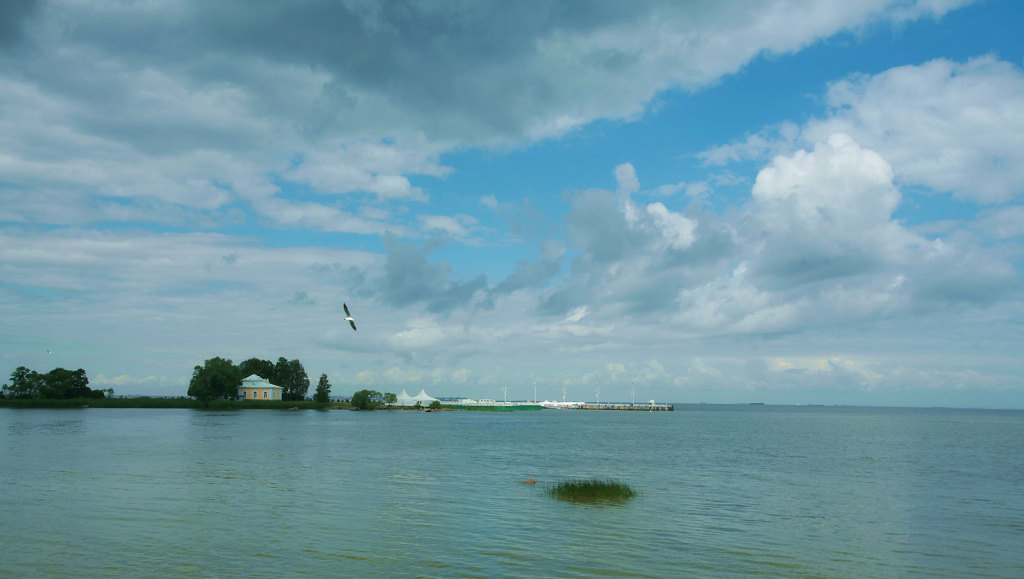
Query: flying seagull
(348, 316)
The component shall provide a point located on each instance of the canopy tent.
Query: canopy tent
(423, 398)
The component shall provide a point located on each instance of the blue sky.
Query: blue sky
(786, 202)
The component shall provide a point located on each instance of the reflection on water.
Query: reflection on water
(723, 490)
(65, 426)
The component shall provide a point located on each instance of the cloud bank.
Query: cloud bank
(187, 179)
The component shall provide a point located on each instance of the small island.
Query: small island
(217, 384)
(57, 384)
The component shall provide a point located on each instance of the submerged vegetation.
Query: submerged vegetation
(592, 491)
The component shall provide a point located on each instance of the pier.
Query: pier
(641, 407)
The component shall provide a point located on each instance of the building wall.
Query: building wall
(261, 393)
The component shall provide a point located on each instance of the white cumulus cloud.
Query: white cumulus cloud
(953, 127)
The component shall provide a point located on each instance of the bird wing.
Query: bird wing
(352, 323)
(346, 309)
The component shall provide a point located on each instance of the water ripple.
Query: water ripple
(724, 491)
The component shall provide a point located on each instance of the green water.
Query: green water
(725, 490)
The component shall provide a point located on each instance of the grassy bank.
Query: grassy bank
(169, 403)
(225, 404)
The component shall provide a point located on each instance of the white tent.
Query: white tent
(423, 398)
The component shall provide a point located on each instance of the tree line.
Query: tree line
(372, 400)
(217, 378)
(57, 383)
(220, 378)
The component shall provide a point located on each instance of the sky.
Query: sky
(779, 201)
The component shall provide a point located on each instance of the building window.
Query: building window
(265, 393)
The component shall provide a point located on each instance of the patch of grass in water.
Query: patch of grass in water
(592, 491)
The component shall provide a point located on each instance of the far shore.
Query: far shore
(186, 402)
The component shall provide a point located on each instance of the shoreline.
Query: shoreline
(190, 403)
(146, 402)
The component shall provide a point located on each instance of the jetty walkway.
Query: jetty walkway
(642, 407)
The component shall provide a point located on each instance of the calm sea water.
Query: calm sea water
(725, 490)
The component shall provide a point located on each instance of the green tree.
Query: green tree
(323, 390)
(372, 400)
(292, 378)
(366, 400)
(61, 383)
(435, 405)
(57, 383)
(262, 368)
(216, 378)
(25, 383)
